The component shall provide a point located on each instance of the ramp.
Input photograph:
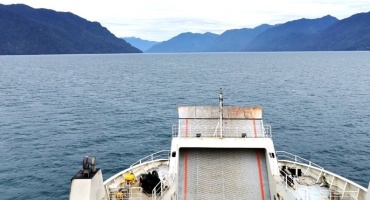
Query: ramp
(205, 121)
(214, 174)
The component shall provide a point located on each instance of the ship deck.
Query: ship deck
(306, 189)
(306, 186)
(120, 189)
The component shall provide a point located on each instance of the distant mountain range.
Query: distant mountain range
(352, 33)
(25, 30)
(290, 36)
(236, 39)
(185, 42)
(143, 45)
(322, 34)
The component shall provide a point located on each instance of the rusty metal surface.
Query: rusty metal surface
(212, 112)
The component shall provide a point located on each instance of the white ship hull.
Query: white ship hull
(218, 153)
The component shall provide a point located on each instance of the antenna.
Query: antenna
(221, 110)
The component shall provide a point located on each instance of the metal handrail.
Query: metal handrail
(268, 130)
(229, 131)
(337, 194)
(289, 192)
(283, 155)
(163, 154)
(162, 185)
(129, 194)
(155, 189)
(287, 180)
(175, 131)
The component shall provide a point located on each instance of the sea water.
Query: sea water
(55, 109)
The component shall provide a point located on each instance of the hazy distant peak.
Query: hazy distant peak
(263, 26)
(234, 30)
(325, 18)
(139, 43)
(209, 33)
(136, 38)
(133, 37)
(191, 33)
(329, 16)
(185, 42)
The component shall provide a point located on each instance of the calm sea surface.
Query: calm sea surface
(120, 108)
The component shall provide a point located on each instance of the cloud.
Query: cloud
(163, 29)
(162, 19)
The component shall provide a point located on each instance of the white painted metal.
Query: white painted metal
(241, 130)
(338, 186)
(88, 189)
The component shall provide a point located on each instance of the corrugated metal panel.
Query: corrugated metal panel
(231, 128)
(223, 174)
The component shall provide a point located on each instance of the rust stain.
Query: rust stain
(254, 128)
(185, 174)
(260, 175)
(235, 112)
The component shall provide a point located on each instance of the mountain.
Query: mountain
(352, 33)
(322, 34)
(25, 30)
(185, 42)
(143, 45)
(290, 36)
(236, 39)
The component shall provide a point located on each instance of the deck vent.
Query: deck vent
(244, 135)
(198, 135)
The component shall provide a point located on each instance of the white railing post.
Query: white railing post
(358, 192)
(161, 190)
(318, 178)
(344, 190)
(286, 180)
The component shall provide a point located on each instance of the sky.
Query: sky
(160, 20)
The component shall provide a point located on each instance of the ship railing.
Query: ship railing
(228, 131)
(332, 194)
(288, 180)
(283, 155)
(126, 193)
(175, 130)
(160, 155)
(290, 193)
(335, 183)
(163, 185)
(267, 131)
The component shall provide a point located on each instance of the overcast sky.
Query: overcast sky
(160, 20)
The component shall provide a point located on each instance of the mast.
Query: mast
(221, 110)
